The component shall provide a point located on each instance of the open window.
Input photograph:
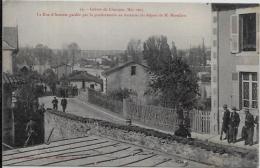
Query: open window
(247, 32)
(243, 32)
(133, 70)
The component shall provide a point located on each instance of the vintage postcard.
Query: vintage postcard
(130, 84)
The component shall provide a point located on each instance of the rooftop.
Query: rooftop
(89, 151)
(114, 69)
(79, 76)
(10, 38)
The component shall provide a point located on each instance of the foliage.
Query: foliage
(42, 54)
(134, 49)
(157, 52)
(172, 78)
(105, 101)
(121, 94)
(49, 76)
(73, 50)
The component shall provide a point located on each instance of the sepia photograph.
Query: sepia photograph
(130, 84)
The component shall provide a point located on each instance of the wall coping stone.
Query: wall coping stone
(209, 146)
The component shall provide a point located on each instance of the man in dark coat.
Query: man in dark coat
(182, 131)
(31, 130)
(225, 122)
(55, 103)
(249, 127)
(64, 104)
(233, 125)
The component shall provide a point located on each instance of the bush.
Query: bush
(121, 94)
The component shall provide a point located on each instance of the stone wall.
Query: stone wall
(68, 126)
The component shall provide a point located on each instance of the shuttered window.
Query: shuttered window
(234, 34)
(244, 32)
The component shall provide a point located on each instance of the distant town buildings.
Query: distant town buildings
(62, 70)
(85, 80)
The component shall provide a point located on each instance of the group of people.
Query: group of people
(63, 103)
(230, 124)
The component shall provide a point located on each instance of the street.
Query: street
(82, 109)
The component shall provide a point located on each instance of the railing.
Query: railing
(200, 121)
(166, 118)
(105, 101)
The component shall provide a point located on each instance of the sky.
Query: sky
(107, 33)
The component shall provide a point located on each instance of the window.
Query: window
(249, 90)
(243, 32)
(247, 32)
(133, 70)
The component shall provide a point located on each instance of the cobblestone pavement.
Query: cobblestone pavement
(84, 109)
(93, 151)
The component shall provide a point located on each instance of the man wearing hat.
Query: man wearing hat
(233, 125)
(31, 128)
(249, 127)
(225, 121)
(55, 103)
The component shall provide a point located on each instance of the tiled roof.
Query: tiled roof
(10, 38)
(11, 79)
(117, 68)
(84, 76)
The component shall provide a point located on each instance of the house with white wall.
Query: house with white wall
(235, 60)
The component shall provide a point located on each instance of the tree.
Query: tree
(173, 50)
(73, 50)
(50, 78)
(42, 54)
(134, 50)
(173, 80)
(157, 52)
(121, 94)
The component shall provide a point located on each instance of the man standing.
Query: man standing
(63, 104)
(233, 125)
(225, 122)
(249, 127)
(55, 103)
(31, 132)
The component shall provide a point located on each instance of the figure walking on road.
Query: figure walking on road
(233, 125)
(64, 104)
(249, 128)
(225, 122)
(55, 103)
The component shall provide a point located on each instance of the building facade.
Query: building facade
(130, 75)
(235, 61)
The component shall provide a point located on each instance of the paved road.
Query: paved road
(83, 109)
(93, 151)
